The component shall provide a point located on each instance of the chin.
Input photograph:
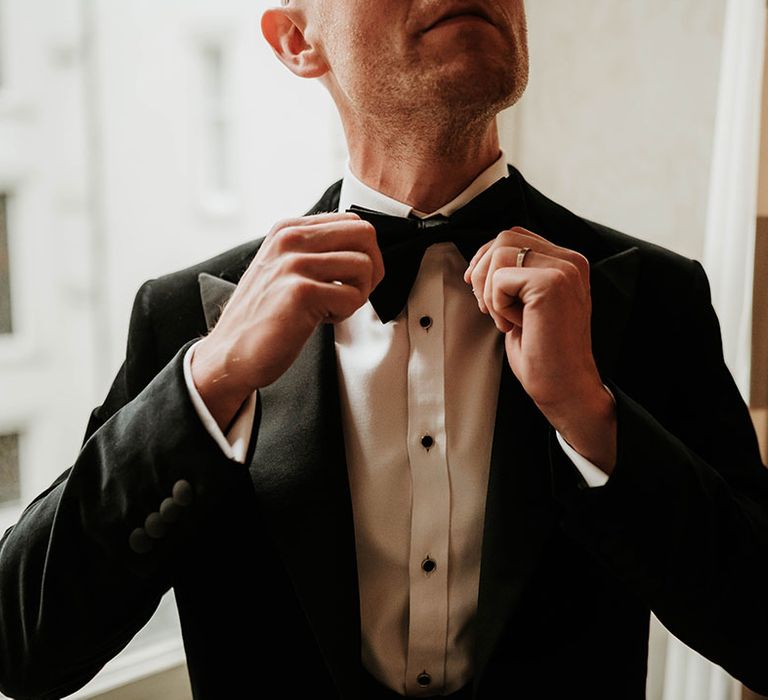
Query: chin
(481, 86)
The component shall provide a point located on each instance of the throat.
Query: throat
(423, 178)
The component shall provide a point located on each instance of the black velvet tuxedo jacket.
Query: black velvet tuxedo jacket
(263, 559)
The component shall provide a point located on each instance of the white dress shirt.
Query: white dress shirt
(418, 398)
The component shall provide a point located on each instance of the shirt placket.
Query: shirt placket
(430, 502)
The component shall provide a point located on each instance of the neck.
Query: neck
(424, 169)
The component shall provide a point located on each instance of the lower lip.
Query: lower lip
(459, 20)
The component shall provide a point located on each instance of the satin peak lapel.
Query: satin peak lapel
(299, 473)
(214, 293)
(613, 282)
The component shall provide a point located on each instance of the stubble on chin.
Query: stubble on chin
(444, 104)
(455, 107)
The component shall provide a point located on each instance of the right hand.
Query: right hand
(288, 289)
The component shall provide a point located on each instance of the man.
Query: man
(410, 458)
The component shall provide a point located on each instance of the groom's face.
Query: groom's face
(396, 54)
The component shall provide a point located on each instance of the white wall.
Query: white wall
(617, 122)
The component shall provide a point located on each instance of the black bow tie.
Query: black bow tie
(403, 241)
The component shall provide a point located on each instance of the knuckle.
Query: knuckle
(578, 260)
(290, 262)
(497, 256)
(367, 227)
(302, 289)
(366, 262)
(572, 271)
(581, 260)
(292, 237)
(351, 301)
(358, 297)
(281, 226)
(559, 277)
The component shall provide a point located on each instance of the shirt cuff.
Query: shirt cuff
(235, 444)
(593, 475)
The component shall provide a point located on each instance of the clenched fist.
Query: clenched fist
(308, 270)
(544, 311)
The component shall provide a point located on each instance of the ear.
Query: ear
(282, 27)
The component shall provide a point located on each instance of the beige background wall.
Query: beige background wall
(617, 122)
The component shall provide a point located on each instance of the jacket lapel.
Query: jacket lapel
(214, 293)
(613, 287)
(299, 472)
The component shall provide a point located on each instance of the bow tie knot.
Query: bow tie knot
(404, 240)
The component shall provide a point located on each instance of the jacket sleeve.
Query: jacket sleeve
(683, 519)
(89, 559)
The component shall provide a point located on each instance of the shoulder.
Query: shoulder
(175, 286)
(229, 264)
(169, 306)
(654, 257)
(660, 270)
(664, 278)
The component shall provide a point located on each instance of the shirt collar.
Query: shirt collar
(354, 191)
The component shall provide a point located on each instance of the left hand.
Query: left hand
(544, 310)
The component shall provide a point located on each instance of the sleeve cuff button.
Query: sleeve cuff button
(139, 541)
(170, 511)
(182, 493)
(154, 526)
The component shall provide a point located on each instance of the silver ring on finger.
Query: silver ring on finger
(521, 256)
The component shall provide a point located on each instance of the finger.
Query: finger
(504, 256)
(348, 267)
(505, 288)
(477, 277)
(506, 259)
(326, 236)
(518, 236)
(512, 287)
(478, 269)
(335, 302)
(312, 219)
(479, 254)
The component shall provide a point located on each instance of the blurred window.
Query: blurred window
(217, 171)
(10, 490)
(6, 325)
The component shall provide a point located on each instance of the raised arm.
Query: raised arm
(683, 518)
